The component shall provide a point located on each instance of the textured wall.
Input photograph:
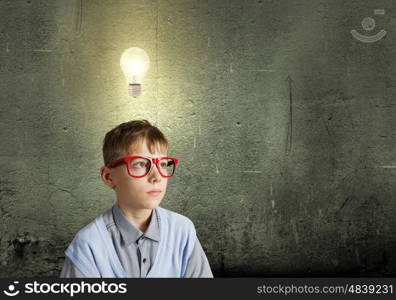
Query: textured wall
(283, 123)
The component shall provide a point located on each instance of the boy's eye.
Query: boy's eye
(139, 164)
(166, 164)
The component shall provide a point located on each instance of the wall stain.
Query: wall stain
(289, 139)
(80, 16)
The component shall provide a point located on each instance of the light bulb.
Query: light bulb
(134, 64)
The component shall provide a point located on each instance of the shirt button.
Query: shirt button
(144, 260)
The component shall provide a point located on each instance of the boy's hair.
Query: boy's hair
(118, 141)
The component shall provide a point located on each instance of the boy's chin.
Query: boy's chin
(151, 204)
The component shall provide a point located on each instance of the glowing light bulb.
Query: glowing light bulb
(134, 64)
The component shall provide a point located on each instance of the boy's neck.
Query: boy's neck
(140, 218)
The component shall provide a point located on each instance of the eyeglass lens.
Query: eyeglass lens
(141, 166)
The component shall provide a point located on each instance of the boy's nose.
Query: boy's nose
(154, 173)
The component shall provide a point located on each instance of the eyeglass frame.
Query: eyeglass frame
(153, 161)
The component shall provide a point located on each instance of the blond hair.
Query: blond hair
(120, 140)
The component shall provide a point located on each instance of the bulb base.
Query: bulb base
(134, 89)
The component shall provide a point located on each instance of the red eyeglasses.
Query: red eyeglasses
(139, 166)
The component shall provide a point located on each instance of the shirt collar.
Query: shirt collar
(130, 233)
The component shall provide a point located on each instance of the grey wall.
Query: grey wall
(283, 123)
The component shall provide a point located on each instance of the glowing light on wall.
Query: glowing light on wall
(134, 64)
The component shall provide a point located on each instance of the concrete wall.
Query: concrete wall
(283, 122)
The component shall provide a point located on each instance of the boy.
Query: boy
(137, 237)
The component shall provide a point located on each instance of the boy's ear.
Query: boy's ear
(106, 177)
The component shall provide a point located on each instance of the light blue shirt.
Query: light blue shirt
(94, 253)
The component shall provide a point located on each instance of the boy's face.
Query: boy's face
(134, 192)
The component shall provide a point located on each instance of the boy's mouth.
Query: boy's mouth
(154, 192)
